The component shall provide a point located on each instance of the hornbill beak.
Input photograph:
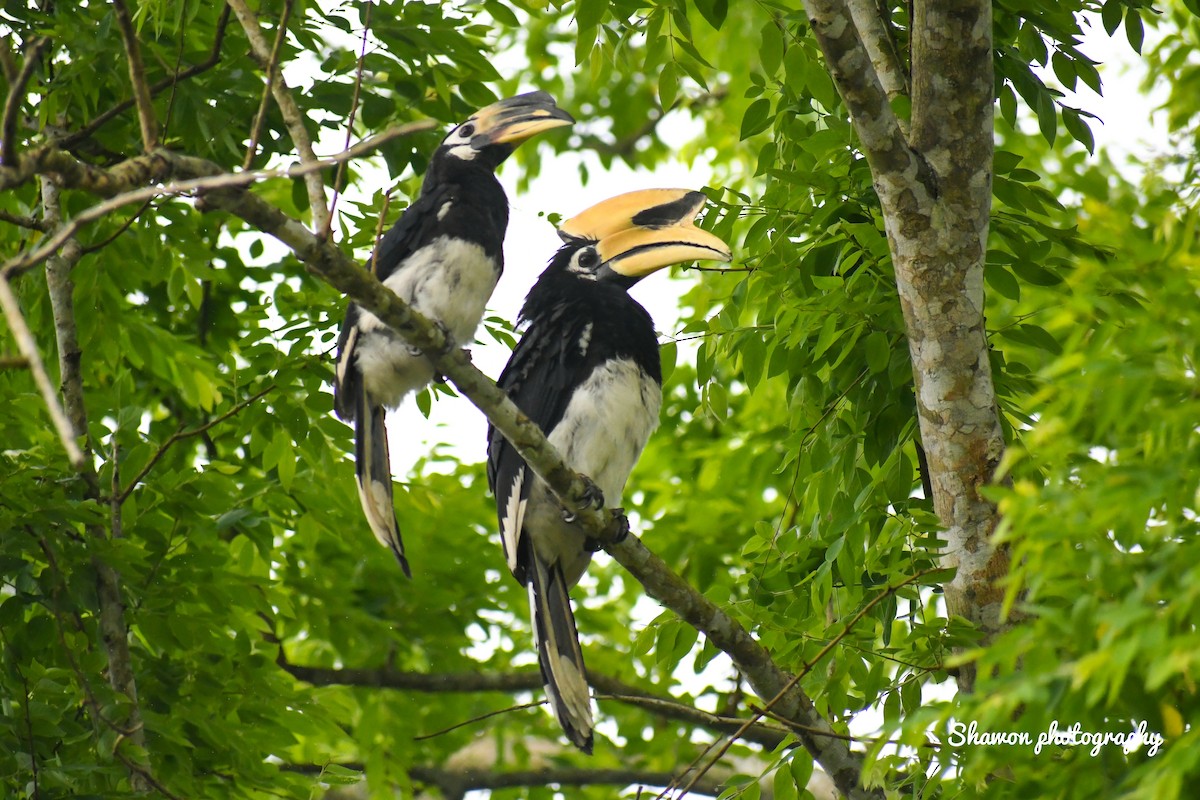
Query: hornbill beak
(637, 233)
(515, 119)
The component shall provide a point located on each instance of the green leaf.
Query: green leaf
(668, 353)
(1003, 281)
(1034, 336)
(878, 352)
(756, 119)
(589, 13)
(1134, 31)
(1110, 15)
(713, 11)
(771, 50)
(668, 85)
(1047, 116)
(1064, 69)
(501, 13)
(1080, 131)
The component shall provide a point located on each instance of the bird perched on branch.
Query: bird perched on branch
(443, 257)
(587, 371)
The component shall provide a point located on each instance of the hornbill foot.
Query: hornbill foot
(616, 532)
(447, 346)
(591, 496)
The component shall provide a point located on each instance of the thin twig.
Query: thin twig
(28, 348)
(14, 362)
(137, 77)
(358, 73)
(70, 140)
(114, 503)
(107, 240)
(12, 105)
(479, 718)
(866, 609)
(121, 496)
(272, 69)
(292, 116)
(31, 223)
(183, 28)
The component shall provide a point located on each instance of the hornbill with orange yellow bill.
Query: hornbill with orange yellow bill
(587, 371)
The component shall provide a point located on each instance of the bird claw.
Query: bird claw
(616, 532)
(447, 344)
(592, 495)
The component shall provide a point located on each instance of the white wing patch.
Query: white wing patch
(514, 518)
(346, 356)
(585, 339)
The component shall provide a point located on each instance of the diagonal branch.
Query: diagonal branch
(123, 495)
(292, 116)
(137, 77)
(260, 117)
(660, 582)
(12, 104)
(880, 46)
(27, 347)
(897, 168)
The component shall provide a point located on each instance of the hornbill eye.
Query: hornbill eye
(467, 131)
(588, 259)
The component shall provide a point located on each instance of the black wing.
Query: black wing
(540, 377)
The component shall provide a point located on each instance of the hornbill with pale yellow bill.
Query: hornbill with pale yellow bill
(587, 371)
(442, 257)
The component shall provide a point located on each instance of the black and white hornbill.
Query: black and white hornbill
(443, 257)
(587, 371)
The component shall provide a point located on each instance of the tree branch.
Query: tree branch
(27, 347)
(137, 77)
(936, 201)
(529, 681)
(272, 70)
(292, 116)
(880, 46)
(114, 632)
(939, 275)
(152, 167)
(12, 104)
(901, 176)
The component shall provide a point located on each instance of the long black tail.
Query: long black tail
(373, 471)
(559, 654)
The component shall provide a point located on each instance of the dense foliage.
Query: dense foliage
(785, 480)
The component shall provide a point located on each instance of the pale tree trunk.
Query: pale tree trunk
(934, 184)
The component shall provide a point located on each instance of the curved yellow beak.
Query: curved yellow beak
(637, 233)
(515, 119)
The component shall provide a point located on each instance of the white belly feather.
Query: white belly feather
(607, 423)
(450, 281)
